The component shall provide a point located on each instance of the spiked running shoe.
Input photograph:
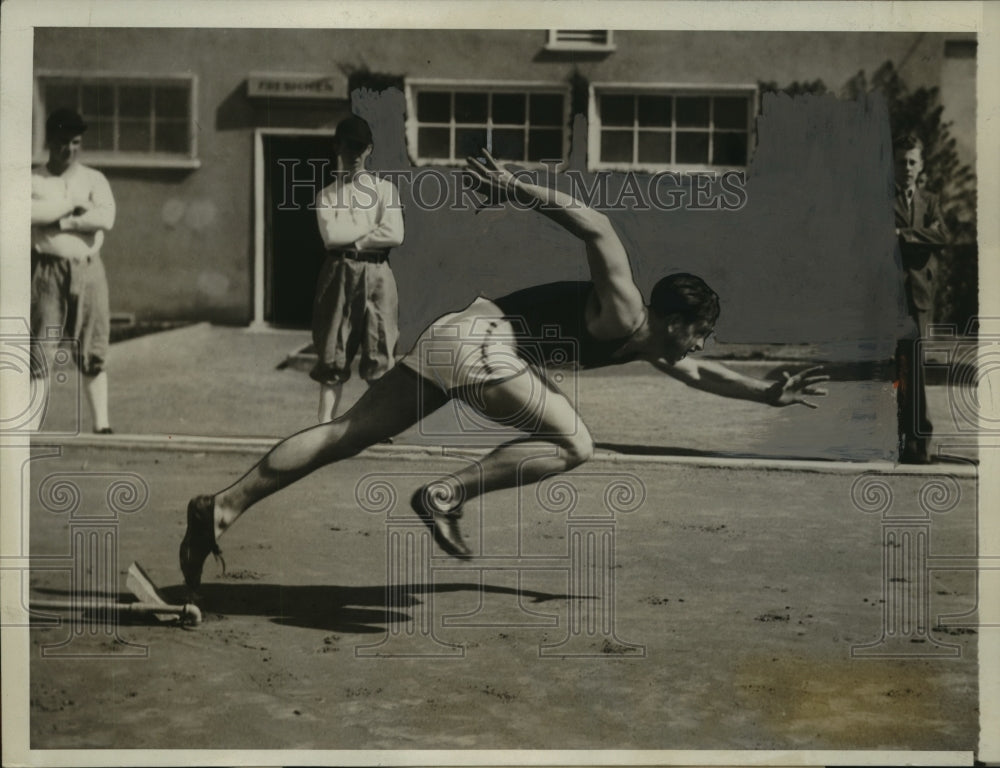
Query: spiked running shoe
(199, 540)
(444, 525)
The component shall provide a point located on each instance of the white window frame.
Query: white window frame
(595, 163)
(554, 43)
(121, 159)
(415, 86)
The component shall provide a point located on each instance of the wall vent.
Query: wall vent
(580, 40)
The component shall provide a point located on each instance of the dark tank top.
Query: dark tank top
(550, 324)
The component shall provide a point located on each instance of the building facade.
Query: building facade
(216, 140)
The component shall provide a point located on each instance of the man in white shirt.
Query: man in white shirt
(356, 305)
(71, 209)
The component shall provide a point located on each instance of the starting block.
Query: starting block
(148, 601)
(139, 584)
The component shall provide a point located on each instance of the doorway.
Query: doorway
(296, 167)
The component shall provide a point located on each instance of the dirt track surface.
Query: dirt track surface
(715, 609)
(211, 380)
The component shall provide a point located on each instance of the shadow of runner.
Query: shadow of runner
(332, 608)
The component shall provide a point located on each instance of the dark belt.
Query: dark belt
(70, 259)
(378, 256)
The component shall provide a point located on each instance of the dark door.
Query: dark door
(296, 169)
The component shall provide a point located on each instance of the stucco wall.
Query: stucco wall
(183, 244)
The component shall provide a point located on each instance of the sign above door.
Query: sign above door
(294, 85)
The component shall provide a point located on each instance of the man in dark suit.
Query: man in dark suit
(921, 234)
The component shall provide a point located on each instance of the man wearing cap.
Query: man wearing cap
(71, 209)
(356, 305)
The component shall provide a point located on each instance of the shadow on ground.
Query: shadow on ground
(333, 608)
